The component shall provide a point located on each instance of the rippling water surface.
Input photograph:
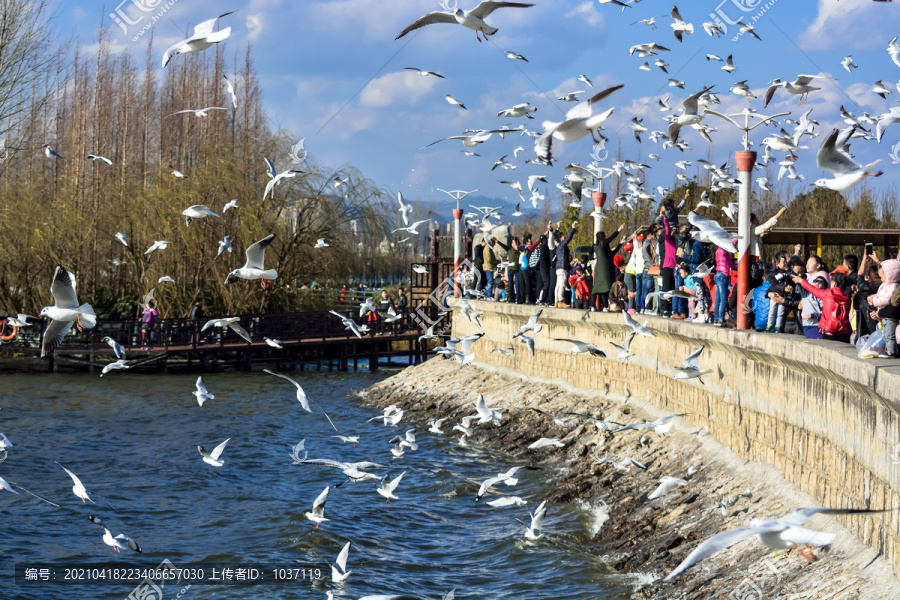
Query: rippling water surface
(132, 440)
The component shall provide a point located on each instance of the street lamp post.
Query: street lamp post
(457, 234)
(599, 197)
(746, 159)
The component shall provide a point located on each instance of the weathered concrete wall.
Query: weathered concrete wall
(827, 419)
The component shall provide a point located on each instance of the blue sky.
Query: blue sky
(331, 72)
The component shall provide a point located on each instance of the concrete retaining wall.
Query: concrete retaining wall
(827, 419)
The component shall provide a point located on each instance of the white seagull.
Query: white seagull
(224, 245)
(96, 157)
(507, 478)
(486, 414)
(317, 515)
(229, 204)
(387, 486)
(165, 278)
(197, 211)
(229, 88)
(543, 442)
(666, 485)
(583, 347)
(200, 112)
(254, 268)
(348, 324)
(320, 243)
(121, 237)
(301, 395)
(678, 25)
(114, 366)
(339, 572)
(637, 327)
(116, 346)
(531, 325)
(78, 489)
(472, 19)
(533, 531)
(212, 458)
(201, 393)
(454, 101)
(405, 208)
(580, 121)
(659, 426)
(800, 86)
(65, 311)
(120, 542)
(202, 38)
(691, 368)
(834, 156)
(232, 322)
(785, 533)
(273, 342)
(690, 114)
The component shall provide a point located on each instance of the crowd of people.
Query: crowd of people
(663, 269)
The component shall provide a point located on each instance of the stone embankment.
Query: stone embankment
(757, 445)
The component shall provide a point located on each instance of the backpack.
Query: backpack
(523, 261)
(535, 258)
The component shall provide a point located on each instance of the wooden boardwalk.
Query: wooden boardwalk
(307, 338)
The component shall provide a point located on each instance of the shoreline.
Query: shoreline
(647, 538)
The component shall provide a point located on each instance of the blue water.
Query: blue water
(132, 440)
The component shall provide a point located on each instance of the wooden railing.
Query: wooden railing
(183, 332)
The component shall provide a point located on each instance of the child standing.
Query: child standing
(889, 270)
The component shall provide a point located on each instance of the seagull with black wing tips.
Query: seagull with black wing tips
(679, 27)
(834, 156)
(690, 114)
(449, 98)
(412, 229)
(117, 348)
(472, 19)
(50, 152)
(515, 56)
(691, 368)
(117, 365)
(212, 458)
(801, 86)
(202, 38)
(579, 347)
(580, 121)
(531, 325)
(533, 530)
(785, 533)
(405, 208)
(339, 572)
(65, 311)
(317, 515)
(529, 343)
(120, 542)
(97, 158)
(424, 73)
(666, 484)
(234, 323)
(620, 465)
(388, 486)
(354, 471)
(254, 268)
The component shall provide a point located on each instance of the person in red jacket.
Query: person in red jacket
(835, 321)
(578, 282)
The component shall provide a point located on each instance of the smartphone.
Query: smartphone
(869, 249)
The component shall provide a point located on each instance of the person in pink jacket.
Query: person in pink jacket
(724, 266)
(889, 270)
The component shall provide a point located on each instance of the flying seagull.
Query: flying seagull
(229, 88)
(200, 112)
(65, 311)
(691, 368)
(834, 156)
(424, 73)
(301, 395)
(785, 533)
(197, 211)
(254, 268)
(96, 158)
(201, 392)
(212, 458)
(472, 19)
(202, 38)
(232, 322)
(579, 122)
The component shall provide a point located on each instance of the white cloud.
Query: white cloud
(859, 24)
(403, 87)
(587, 13)
(254, 26)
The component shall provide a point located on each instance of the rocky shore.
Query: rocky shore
(649, 537)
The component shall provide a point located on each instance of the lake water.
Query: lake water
(132, 440)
